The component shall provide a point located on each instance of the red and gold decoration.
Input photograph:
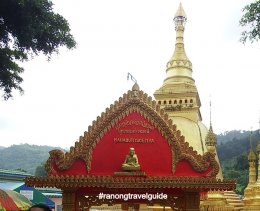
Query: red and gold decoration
(135, 121)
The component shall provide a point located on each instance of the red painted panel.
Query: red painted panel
(154, 158)
(153, 151)
(184, 168)
(77, 168)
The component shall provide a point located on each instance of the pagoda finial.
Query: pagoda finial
(211, 139)
(135, 87)
(258, 156)
(258, 145)
(251, 155)
(180, 14)
(179, 61)
(258, 148)
(251, 138)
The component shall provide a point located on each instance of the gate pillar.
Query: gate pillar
(192, 201)
(69, 200)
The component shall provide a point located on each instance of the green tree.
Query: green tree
(241, 162)
(28, 28)
(251, 21)
(40, 171)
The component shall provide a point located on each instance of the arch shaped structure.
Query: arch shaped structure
(168, 165)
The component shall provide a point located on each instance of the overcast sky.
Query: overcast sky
(62, 97)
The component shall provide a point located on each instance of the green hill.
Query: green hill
(239, 144)
(232, 135)
(233, 149)
(24, 156)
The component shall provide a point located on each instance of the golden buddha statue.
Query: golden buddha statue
(131, 161)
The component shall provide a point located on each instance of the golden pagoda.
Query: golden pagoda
(252, 191)
(179, 97)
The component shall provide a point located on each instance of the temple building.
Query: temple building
(145, 154)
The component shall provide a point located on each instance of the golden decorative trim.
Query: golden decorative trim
(133, 101)
(130, 173)
(200, 183)
(211, 139)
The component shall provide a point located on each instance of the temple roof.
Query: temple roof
(134, 101)
(139, 102)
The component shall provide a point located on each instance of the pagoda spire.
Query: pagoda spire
(258, 157)
(248, 193)
(252, 191)
(179, 65)
(211, 139)
(252, 159)
(178, 94)
(211, 143)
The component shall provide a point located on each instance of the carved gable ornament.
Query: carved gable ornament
(135, 120)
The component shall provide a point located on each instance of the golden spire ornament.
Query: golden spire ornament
(211, 140)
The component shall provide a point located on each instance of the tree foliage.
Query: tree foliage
(28, 28)
(25, 156)
(237, 145)
(40, 171)
(251, 21)
(232, 135)
(233, 155)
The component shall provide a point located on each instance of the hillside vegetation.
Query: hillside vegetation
(24, 156)
(233, 148)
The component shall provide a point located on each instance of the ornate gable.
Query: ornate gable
(162, 147)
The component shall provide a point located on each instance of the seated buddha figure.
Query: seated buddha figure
(131, 161)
